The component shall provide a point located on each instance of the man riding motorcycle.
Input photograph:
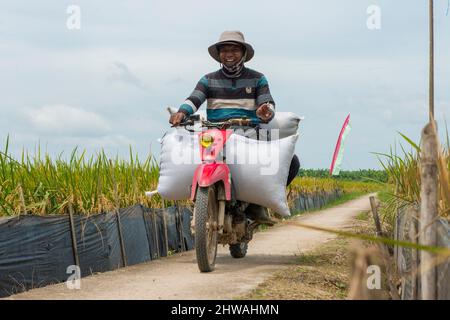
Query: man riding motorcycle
(234, 91)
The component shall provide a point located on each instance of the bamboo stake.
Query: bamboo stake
(166, 238)
(147, 233)
(443, 173)
(428, 271)
(431, 66)
(376, 218)
(180, 226)
(155, 233)
(74, 235)
(428, 211)
(119, 224)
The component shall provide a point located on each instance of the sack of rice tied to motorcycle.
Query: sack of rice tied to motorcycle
(259, 168)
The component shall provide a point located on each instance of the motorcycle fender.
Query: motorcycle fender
(208, 174)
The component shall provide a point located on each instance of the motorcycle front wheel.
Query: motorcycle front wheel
(206, 213)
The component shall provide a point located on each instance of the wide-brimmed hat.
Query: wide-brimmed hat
(231, 37)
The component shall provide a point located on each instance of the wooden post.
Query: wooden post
(431, 66)
(122, 244)
(155, 229)
(428, 211)
(358, 284)
(166, 238)
(74, 235)
(376, 218)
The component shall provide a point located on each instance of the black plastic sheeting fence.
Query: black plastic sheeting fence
(36, 251)
(311, 201)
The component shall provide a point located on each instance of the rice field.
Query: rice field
(38, 184)
(41, 185)
(308, 185)
(354, 175)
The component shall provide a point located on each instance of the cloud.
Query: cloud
(322, 64)
(112, 144)
(65, 120)
(177, 81)
(125, 75)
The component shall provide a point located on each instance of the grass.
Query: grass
(388, 208)
(363, 216)
(322, 273)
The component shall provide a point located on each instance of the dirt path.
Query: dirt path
(177, 277)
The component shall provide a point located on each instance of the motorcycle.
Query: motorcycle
(218, 217)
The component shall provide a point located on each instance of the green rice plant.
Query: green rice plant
(404, 175)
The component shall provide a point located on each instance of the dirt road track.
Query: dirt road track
(177, 277)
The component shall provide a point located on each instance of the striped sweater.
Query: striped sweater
(229, 97)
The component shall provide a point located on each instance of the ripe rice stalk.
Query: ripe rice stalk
(404, 172)
(48, 183)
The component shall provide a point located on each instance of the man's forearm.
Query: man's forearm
(187, 107)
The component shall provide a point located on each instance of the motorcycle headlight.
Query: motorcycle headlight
(206, 140)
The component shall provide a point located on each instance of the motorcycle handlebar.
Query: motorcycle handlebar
(190, 121)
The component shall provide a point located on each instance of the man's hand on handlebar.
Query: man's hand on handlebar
(176, 118)
(264, 112)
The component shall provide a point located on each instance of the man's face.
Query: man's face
(230, 54)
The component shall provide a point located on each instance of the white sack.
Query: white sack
(179, 158)
(259, 169)
(286, 122)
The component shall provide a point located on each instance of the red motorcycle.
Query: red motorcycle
(218, 216)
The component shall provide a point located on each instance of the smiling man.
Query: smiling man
(234, 91)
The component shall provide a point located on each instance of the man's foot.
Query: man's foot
(259, 214)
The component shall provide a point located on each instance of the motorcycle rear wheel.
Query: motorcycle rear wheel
(238, 250)
(206, 234)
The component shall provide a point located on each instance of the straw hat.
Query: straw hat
(231, 37)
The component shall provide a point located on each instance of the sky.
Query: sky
(107, 84)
